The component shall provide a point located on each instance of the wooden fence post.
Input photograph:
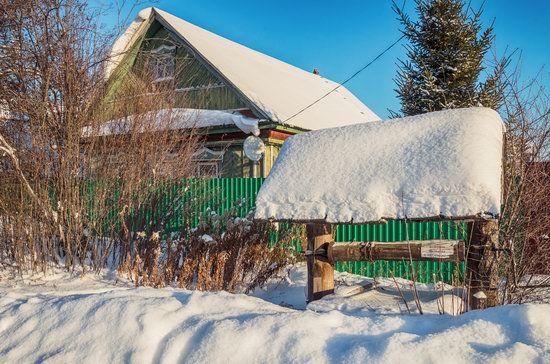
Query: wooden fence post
(481, 269)
(320, 272)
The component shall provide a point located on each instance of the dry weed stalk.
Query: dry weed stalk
(224, 252)
(400, 292)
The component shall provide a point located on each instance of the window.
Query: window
(207, 169)
(163, 63)
(207, 162)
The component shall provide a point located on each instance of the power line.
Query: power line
(348, 79)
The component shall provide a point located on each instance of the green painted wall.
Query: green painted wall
(235, 164)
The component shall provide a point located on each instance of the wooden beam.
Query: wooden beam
(432, 250)
(383, 220)
(320, 272)
(481, 267)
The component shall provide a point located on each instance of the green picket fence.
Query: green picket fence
(221, 194)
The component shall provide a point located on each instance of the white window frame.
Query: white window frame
(164, 63)
(212, 158)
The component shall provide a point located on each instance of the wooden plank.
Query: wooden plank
(320, 272)
(431, 250)
(360, 289)
(383, 220)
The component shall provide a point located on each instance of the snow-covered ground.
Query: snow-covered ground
(64, 319)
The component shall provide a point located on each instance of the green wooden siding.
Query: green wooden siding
(235, 164)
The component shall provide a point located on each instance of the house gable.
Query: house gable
(196, 84)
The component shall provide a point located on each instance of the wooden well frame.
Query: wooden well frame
(479, 254)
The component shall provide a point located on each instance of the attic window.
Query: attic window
(163, 63)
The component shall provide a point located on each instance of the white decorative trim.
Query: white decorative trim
(202, 87)
(165, 56)
(208, 164)
(214, 161)
(163, 48)
(213, 153)
(161, 79)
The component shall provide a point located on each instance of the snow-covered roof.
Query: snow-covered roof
(445, 163)
(174, 119)
(275, 87)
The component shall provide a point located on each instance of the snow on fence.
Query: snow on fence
(443, 165)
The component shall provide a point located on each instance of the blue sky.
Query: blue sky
(339, 37)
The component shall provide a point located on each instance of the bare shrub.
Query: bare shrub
(524, 254)
(77, 158)
(93, 172)
(50, 72)
(225, 252)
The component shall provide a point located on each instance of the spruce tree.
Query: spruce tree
(446, 50)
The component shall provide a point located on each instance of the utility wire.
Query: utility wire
(348, 79)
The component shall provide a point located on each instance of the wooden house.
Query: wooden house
(234, 86)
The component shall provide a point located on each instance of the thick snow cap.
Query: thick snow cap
(275, 87)
(445, 163)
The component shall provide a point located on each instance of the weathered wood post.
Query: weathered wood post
(430, 250)
(481, 269)
(322, 253)
(320, 272)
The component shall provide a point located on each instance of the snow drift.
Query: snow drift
(442, 163)
(86, 320)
